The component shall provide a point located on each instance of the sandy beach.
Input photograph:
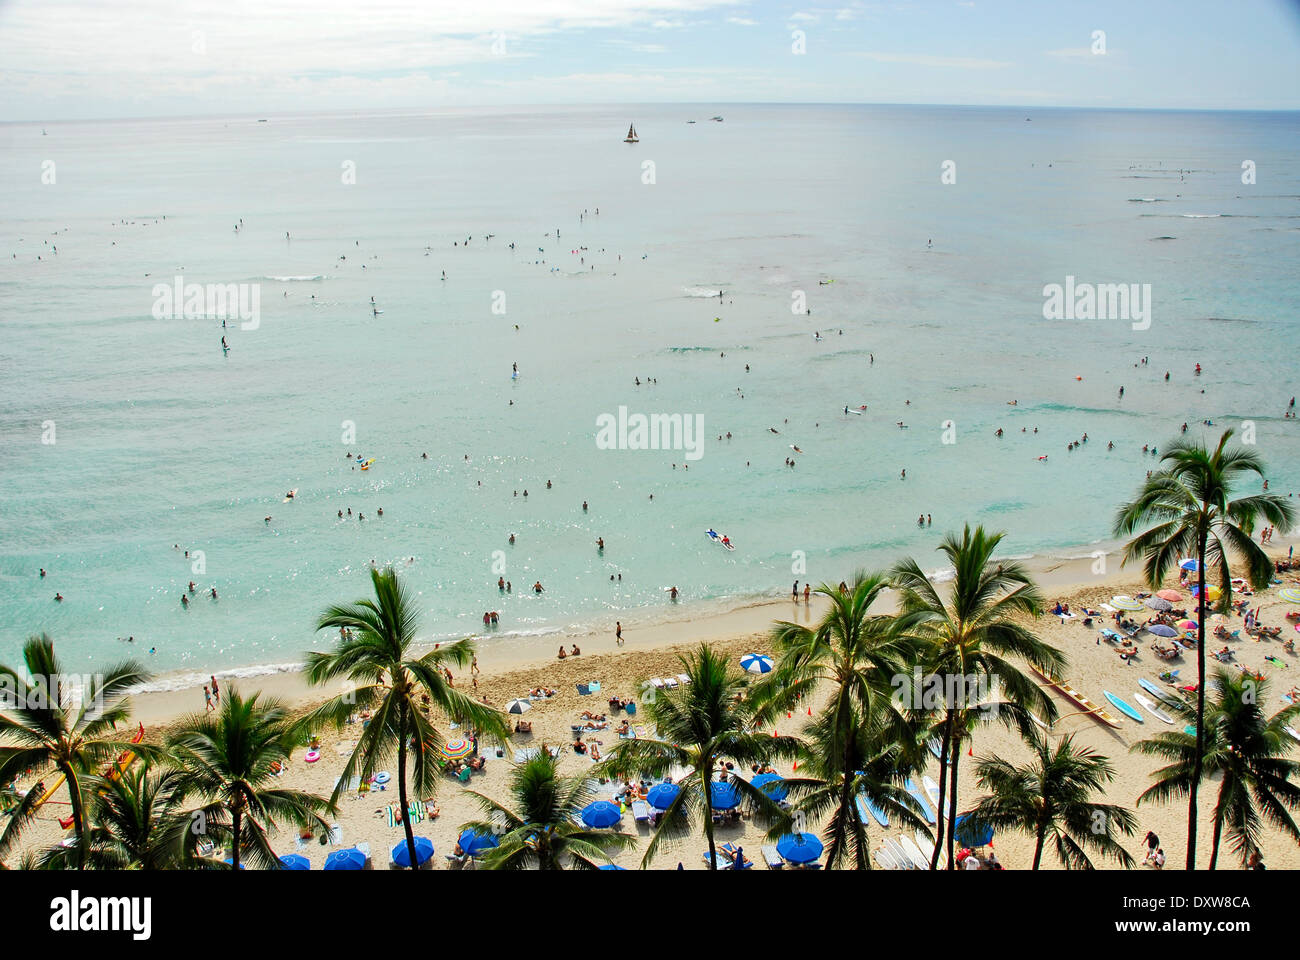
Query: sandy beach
(652, 650)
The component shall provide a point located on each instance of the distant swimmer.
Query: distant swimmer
(903, 474)
(289, 494)
(1121, 391)
(584, 506)
(774, 430)
(600, 543)
(672, 593)
(795, 449)
(537, 587)
(58, 597)
(42, 573)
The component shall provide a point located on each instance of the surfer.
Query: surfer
(672, 593)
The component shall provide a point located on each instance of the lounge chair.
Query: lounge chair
(640, 811)
(772, 858)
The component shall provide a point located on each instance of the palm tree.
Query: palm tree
(872, 763)
(1050, 798)
(65, 722)
(700, 725)
(137, 822)
(1188, 501)
(540, 827)
(1246, 750)
(859, 655)
(965, 642)
(226, 758)
(383, 676)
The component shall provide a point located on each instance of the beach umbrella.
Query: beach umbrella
(772, 784)
(349, 859)
(1126, 603)
(756, 663)
(423, 851)
(610, 866)
(1186, 625)
(799, 847)
(1158, 603)
(1173, 596)
(1160, 630)
(456, 749)
(972, 835)
(601, 814)
(1290, 595)
(1211, 591)
(475, 843)
(518, 706)
(230, 861)
(295, 861)
(1189, 564)
(662, 795)
(724, 795)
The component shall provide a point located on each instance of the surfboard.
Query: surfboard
(1291, 730)
(858, 412)
(292, 493)
(931, 791)
(866, 807)
(1152, 709)
(885, 860)
(918, 856)
(1156, 692)
(925, 845)
(899, 854)
(935, 746)
(1127, 709)
(919, 797)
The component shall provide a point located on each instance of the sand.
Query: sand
(652, 650)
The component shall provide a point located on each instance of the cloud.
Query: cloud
(742, 21)
(928, 60)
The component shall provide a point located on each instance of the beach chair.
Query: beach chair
(640, 811)
(683, 678)
(584, 689)
(772, 858)
(464, 775)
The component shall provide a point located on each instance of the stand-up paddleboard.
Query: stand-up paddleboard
(931, 791)
(918, 856)
(1123, 707)
(291, 494)
(885, 860)
(919, 797)
(899, 854)
(1152, 709)
(925, 845)
(935, 746)
(1159, 694)
(859, 410)
(867, 808)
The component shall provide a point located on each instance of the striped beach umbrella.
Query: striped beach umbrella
(1290, 595)
(518, 706)
(456, 749)
(601, 814)
(1126, 603)
(295, 861)
(662, 795)
(1186, 625)
(1211, 591)
(423, 851)
(799, 847)
(756, 663)
(773, 784)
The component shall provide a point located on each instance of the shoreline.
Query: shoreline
(1071, 578)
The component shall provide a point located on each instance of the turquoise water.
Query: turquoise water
(160, 439)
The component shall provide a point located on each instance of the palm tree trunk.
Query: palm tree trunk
(848, 815)
(401, 784)
(952, 805)
(78, 815)
(1038, 846)
(943, 783)
(1200, 704)
(236, 826)
(708, 817)
(1214, 850)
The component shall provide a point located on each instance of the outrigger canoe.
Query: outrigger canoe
(1078, 698)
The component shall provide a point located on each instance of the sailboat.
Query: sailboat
(631, 135)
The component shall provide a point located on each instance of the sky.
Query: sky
(75, 59)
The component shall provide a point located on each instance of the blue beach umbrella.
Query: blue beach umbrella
(475, 843)
(349, 859)
(1160, 630)
(423, 851)
(724, 796)
(295, 861)
(756, 663)
(1189, 564)
(610, 866)
(230, 861)
(799, 847)
(601, 814)
(772, 784)
(662, 795)
(971, 835)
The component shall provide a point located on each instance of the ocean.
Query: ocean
(128, 436)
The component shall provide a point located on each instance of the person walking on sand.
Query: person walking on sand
(807, 592)
(794, 591)
(216, 691)
(207, 698)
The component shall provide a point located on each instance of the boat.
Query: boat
(1078, 698)
(919, 797)
(916, 853)
(631, 135)
(1152, 709)
(1124, 707)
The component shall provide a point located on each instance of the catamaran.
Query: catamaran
(631, 135)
